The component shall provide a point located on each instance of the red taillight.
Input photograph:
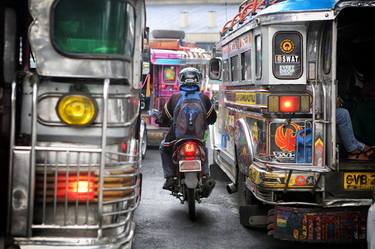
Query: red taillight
(124, 147)
(289, 104)
(176, 87)
(163, 86)
(189, 150)
(72, 188)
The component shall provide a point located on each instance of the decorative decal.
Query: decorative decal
(287, 46)
(285, 137)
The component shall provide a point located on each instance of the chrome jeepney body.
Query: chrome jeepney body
(287, 157)
(72, 185)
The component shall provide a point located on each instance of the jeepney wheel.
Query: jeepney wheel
(144, 144)
(252, 213)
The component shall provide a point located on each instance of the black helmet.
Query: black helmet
(190, 76)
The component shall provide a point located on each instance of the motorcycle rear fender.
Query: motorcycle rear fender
(191, 180)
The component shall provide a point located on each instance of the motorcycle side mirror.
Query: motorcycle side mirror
(215, 68)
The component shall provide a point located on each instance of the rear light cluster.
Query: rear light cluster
(289, 103)
(190, 151)
(81, 187)
(165, 86)
(73, 188)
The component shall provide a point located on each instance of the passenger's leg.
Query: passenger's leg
(167, 165)
(344, 126)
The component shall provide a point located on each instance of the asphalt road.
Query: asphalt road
(162, 222)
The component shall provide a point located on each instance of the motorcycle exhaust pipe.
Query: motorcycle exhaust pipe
(207, 187)
(231, 188)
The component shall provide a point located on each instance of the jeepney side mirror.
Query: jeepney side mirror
(9, 46)
(215, 68)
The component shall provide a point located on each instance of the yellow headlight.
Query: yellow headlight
(76, 109)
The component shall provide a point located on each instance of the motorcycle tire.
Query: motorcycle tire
(190, 196)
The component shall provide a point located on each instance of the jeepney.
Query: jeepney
(283, 65)
(71, 75)
(169, 53)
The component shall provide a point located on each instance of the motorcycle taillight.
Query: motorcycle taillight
(189, 150)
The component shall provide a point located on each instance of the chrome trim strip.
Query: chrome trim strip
(11, 147)
(102, 159)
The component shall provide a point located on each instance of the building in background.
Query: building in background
(201, 20)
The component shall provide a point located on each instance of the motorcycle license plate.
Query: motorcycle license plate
(359, 180)
(190, 166)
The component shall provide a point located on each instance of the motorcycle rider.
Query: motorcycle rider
(190, 80)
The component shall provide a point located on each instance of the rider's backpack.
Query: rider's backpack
(189, 116)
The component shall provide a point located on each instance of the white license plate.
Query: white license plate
(190, 166)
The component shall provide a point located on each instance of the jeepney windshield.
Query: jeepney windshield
(94, 27)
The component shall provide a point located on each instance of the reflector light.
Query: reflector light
(289, 104)
(76, 109)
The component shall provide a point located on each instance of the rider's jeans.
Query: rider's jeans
(169, 169)
(345, 130)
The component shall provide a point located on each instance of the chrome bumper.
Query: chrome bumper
(124, 241)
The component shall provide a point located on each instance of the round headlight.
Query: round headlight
(76, 109)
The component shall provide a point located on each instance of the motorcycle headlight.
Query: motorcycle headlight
(76, 109)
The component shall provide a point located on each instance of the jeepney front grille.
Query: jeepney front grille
(68, 193)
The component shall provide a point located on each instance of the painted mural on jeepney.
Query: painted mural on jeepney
(328, 225)
(283, 140)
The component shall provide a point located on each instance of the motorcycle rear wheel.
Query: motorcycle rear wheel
(190, 196)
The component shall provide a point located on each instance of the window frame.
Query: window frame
(258, 54)
(123, 57)
(246, 66)
(234, 71)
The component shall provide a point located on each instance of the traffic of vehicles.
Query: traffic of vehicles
(79, 81)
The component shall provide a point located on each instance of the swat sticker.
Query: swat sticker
(287, 55)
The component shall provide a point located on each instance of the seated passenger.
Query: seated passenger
(356, 149)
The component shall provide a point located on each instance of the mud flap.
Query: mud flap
(253, 216)
(319, 224)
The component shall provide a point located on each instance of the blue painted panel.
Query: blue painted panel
(299, 5)
(167, 62)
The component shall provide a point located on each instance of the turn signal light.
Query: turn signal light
(289, 104)
(76, 109)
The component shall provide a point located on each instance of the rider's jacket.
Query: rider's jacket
(166, 117)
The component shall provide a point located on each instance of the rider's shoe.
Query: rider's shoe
(168, 184)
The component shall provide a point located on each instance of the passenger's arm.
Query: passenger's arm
(211, 113)
(166, 116)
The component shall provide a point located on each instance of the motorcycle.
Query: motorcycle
(190, 184)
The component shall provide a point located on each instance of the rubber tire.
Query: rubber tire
(168, 34)
(144, 144)
(190, 196)
(248, 205)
